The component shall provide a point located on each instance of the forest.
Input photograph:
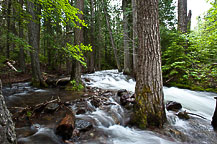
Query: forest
(64, 44)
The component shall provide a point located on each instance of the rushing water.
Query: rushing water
(196, 130)
(109, 120)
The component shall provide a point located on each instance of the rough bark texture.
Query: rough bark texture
(111, 38)
(7, 128)
(127, 68)
(34, 41)
(149, 108)
(79, 38)
(184, 19)
(134, 37)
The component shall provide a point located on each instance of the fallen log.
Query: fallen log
(66, 127)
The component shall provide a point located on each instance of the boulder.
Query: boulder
(183, 115)
(214, 117)
(83, 125)
(173, 106)
(51, 107)
(122, 92)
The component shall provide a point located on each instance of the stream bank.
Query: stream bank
(101, 119)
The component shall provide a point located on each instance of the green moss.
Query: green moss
(74, 86)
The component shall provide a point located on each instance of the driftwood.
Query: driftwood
(66, 127)
(34, 109)
(10, 65)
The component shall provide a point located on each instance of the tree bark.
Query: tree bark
(134, 37)
(34, 41)
(184, 20)
(149, 108)
(127, 68)
(79, 38)
(21, 35)
(7, 128)
(111, 37)
(92, 54)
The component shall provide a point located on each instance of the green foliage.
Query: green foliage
(64, 9)
(29, 114)
(189, 60)
(76, 52)
(75, 86)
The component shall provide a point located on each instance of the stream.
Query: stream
(109, 121)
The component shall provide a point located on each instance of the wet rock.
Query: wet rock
(51, 107)
(80, 111)
(86, 80)
(214, 118)
(183, 115)
(63, 81)
(173, 106)
(95, 102)
(122, 92)
(83, 125)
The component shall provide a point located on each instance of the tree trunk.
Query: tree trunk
(7, 128)
(134, 37)
(111, 38)
(21, 35)
(127, 68)
(79, 38)
(34, 41)
(149, 108)
(184, 20)
(92, 54)
(8, 29)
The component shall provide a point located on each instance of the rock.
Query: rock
(183, 115)
(51, 107)
(173, 106)
(122, 92)
(83, 125)
(80, 111)
(63, 81)
(86, 80)
(66, 127)
(95, 102)
(214, 117)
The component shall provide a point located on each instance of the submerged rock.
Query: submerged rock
(173, 106)
(183, 115)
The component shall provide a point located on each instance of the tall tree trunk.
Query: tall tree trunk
(79, 38)
(7, 128)
(127, 68)
(111, 37)
(149, 108)
(184, 19)
(21, 35)
(92, 54)
(134, 37)
(34, 41)
(8, 29)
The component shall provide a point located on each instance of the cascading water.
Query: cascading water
(196, 130)
(109, 119)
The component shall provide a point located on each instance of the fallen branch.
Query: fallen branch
(8, 63)
(196, 115)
